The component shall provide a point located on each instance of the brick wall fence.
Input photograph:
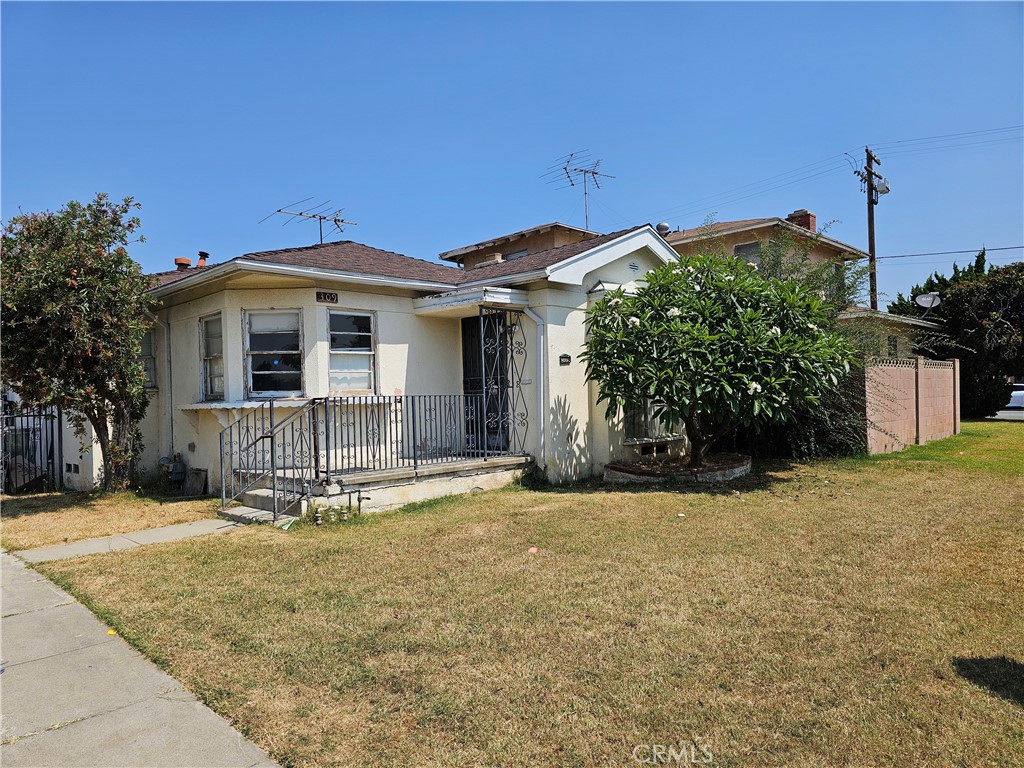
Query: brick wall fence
(911, 401)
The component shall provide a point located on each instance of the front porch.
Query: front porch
(348, 451)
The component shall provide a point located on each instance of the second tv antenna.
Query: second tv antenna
(574, 168)
(318, 212)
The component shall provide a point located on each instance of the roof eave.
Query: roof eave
(240, 265)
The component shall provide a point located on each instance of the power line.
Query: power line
(948, 136)
(951, 253)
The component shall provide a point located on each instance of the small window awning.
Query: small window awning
(466, 303)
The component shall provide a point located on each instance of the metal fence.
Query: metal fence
(325, 439)
(30, 460)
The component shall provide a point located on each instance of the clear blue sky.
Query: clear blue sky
(430, 124)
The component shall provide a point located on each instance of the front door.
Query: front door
(485, 381)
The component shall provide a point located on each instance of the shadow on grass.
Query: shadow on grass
(1000, 674)
(765, 474)
(22, 505)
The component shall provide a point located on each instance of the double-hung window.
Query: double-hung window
(352, 353)
(274, 353)
(213, 357)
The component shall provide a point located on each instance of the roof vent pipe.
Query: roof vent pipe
(201, 261)
(181, 263)
(664, 228)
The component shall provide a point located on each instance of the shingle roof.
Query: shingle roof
(453, 255)
(165, 278)
(348, 256)
(717, 228)
(539, 260)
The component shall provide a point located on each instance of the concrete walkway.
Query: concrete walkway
(74, 695)
(127, 540)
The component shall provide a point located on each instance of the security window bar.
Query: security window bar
(352, 352)
(148, 359)
(274, 354)
(641, 425)
(213, 358)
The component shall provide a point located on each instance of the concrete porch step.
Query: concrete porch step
(251, 515)
(263, 498)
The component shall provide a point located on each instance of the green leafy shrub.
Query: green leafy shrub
(711, 344)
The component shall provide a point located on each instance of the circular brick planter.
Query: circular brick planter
(716, 469)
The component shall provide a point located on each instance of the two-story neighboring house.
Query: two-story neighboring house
(382, 366)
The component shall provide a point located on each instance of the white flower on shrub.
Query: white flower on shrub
(730, 278)
(634, 321)
(696, 287)
(615, 302)
(691, 270)
(674, 312)
(753, 388)
(752, 264)
(812, 326)
(775, 331)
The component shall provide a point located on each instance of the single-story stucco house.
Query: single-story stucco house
(420, 377)
(341, 373)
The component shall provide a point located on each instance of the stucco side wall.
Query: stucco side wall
(726, 243)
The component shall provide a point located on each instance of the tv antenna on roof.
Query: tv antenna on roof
(319, 211)
(575, 167)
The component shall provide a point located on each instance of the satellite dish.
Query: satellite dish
(927, 300)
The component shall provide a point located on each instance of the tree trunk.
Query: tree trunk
(102, 435)
(698, 443)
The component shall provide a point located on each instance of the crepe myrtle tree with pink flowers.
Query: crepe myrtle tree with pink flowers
(709, 343)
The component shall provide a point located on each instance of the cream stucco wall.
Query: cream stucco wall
(414, 355)
(580, 440)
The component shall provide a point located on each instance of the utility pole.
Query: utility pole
(868, 176)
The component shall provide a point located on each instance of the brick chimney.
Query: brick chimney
(803, 218)
(201, 261)
(181, 263)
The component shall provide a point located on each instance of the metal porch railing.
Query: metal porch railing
(326, 439)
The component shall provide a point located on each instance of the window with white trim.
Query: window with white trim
(273, 352)
(213, 357)
(148, 359)
(352, 352)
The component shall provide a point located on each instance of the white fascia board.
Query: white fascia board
(460, 298)
(572, 271)
(296, 271)
(518, 277)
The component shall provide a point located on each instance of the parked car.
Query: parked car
(1016, 397)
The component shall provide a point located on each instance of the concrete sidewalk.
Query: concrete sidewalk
(127, 540)
(74, 695)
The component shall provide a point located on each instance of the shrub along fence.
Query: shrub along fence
(911, 401)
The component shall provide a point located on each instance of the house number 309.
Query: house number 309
(328, 298)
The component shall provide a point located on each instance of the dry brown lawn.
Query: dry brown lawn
(42, 519)
(855, 613)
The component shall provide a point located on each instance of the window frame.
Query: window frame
(248, 353)
(753, 259)
(372, 353)
(205, 358)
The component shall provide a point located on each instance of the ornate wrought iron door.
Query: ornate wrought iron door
(493, 360)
